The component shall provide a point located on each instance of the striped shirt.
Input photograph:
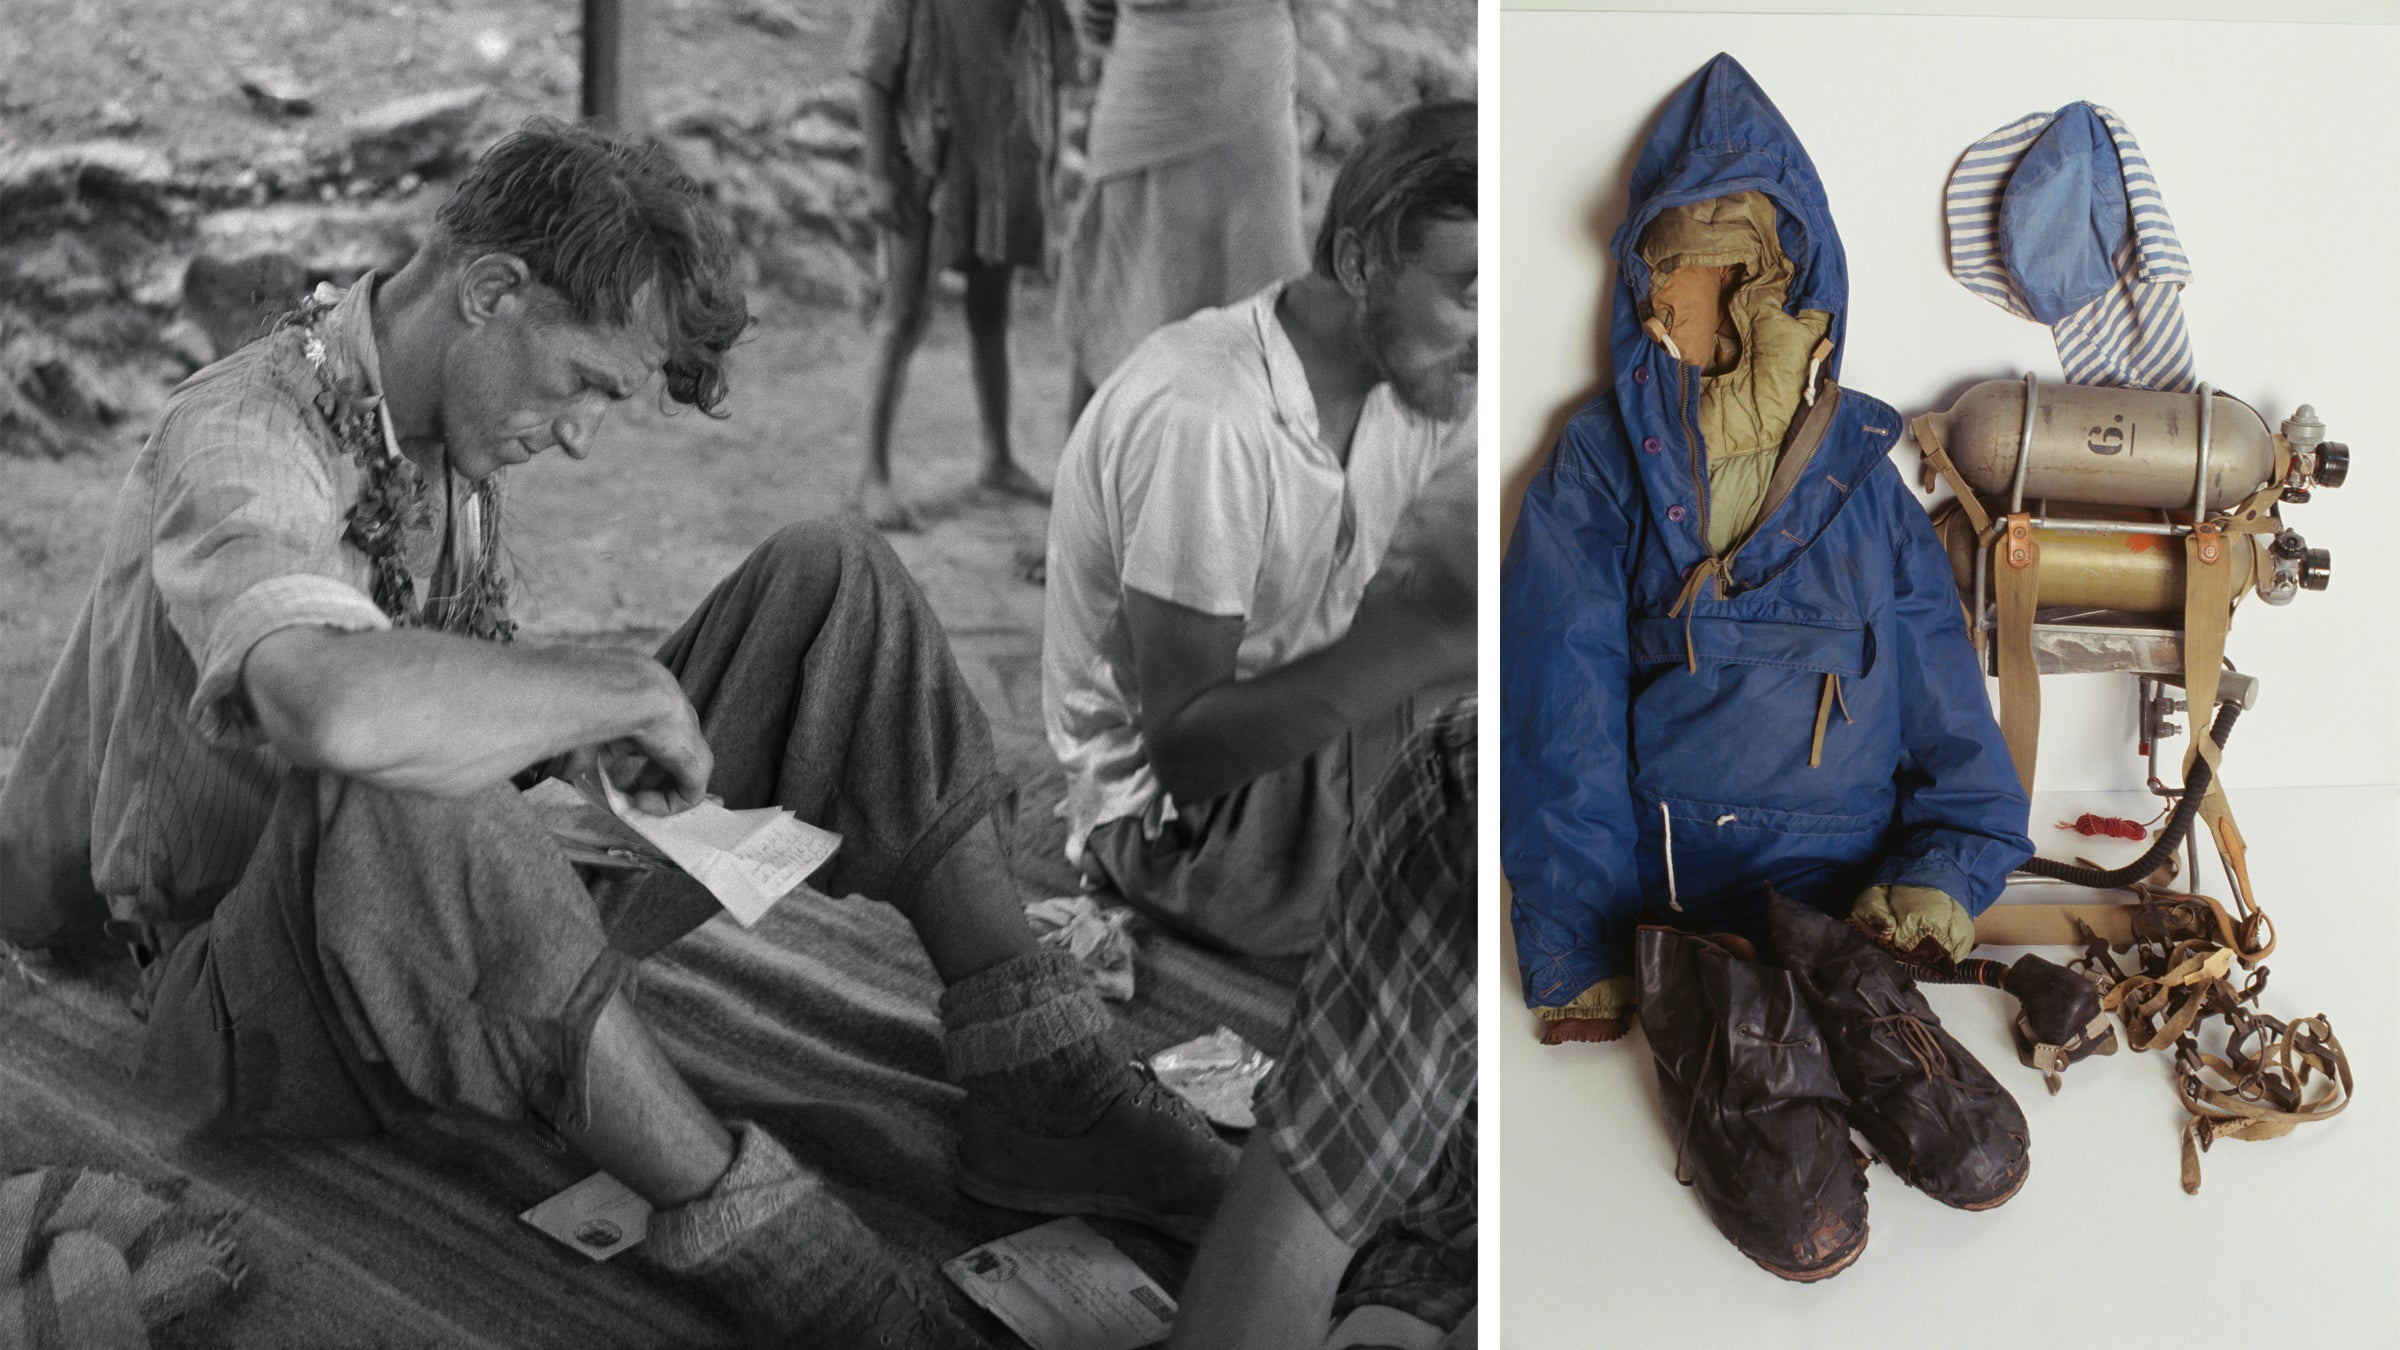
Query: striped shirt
(228, 528)
(1371, 1108)
(2132, 333)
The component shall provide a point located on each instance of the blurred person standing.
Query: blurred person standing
(958, 110)
(1194, 168)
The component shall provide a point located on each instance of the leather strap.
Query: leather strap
(2207, 614)
(2017, 584)
(1928, 431)
(2273, 1076)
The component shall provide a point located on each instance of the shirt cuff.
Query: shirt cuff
(218, 710)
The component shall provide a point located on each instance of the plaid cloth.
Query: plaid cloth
(1371, 1107)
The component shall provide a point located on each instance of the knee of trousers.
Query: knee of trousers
(834, 541)
(843, 551)
(465, 945)
(473, 882)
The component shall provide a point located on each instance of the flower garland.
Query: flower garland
(471, 594)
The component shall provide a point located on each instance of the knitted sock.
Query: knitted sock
(1030, 1039)
(783, 1251)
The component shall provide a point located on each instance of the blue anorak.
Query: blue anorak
(1655, 763)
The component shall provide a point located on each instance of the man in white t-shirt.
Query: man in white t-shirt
(1261, 550)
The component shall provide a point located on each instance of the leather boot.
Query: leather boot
(1934, 1113)
(1753, 1103)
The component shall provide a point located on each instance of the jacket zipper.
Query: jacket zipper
(1691, 440)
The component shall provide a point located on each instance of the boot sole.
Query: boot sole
(1182, 1227)
(1820, 1272)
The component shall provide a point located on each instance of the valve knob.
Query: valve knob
(2333, 464)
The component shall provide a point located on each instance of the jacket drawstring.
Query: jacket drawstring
(1825, 706)
(1690, 595)
(1666, 824)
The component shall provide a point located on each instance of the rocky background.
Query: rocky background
(172, 175)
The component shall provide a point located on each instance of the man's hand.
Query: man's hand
(662, 771)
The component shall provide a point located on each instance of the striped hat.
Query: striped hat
(2056, 218)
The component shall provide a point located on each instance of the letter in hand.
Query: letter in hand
(655, 781)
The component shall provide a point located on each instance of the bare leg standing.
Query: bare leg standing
(987, 337)
(899, 326)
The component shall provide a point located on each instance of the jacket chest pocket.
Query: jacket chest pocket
(1846, 650)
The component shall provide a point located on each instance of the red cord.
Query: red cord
(2115, 827)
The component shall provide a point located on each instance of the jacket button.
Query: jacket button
(1650, 444)
(1675, 513)
(1641, 375)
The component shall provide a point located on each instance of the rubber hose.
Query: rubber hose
(1974, 970)
(2169, 839)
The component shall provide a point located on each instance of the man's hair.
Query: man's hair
(1420, 164)
(599, 221)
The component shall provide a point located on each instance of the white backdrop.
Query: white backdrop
(2276, 147)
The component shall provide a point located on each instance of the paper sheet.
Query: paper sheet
(747, 859)
(1062, 1286)
(596, 1216)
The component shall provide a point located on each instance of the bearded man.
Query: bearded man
(1261, 550)
(277, 752)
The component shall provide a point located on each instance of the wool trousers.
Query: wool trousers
(393, 952)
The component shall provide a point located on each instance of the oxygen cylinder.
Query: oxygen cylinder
(2134, 573)
(2107, 447)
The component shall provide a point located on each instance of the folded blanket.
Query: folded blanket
(92, 1260)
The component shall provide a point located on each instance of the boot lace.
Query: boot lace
(1683, 1137)
(1916, 1037)
(1152, 1096)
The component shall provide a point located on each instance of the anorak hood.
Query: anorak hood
(1720, 135)
(1721, 142)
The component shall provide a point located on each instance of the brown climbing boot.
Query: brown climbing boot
(1753, 1103)
(1934, 1113)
